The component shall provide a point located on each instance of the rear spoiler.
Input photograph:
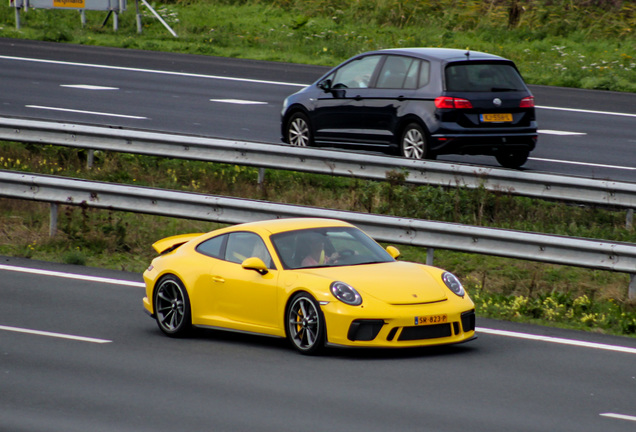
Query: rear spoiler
(169, 244)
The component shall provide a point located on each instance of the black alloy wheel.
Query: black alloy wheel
(298, 131)
(172, 307)
(305, 324)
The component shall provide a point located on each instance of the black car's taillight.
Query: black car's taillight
(451, 102)
(527, 102)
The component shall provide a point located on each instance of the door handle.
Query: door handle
(218, 279)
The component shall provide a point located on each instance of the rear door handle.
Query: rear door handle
(218, 279)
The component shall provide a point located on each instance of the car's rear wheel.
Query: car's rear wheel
(414, 143)
(305, 324)
(298, 131)
(172, 307)
(512, 158)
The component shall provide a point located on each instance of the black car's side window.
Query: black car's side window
(394, 72)
(356, 74)
(424, 74)
(403, 73)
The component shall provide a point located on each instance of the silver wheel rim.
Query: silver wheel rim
(170, 305)
(299, 133)
(304, 323)
(413, 144)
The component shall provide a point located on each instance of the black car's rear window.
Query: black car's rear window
(482, 77)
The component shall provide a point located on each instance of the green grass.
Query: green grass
(503, 288)
(575, 43)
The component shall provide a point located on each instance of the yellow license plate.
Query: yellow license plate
(431, 319)
(496, 118)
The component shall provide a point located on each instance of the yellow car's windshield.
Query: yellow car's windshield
(323, 247)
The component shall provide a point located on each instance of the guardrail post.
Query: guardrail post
(261, 175)
(629, 220)
(90, 158)
(429, 256)
(53, 220)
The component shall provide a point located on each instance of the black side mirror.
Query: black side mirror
(325, 85)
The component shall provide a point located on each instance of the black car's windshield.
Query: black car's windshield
(483, 77)
(322, 247)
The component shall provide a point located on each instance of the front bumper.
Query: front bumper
(398, 329)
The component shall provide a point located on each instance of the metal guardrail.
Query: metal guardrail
(359, 165)
(603, 255)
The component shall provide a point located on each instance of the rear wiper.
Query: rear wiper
(503, 89)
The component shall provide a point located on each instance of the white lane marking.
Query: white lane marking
(556, 340)
(619, 416)
(55, 335)
(587, 111)
(479, 329)
(238, 101)
(129, 69)
(245, 79)
(85, 112)
(88, 87)
(561, 133)
(585, 164)
(72, 276)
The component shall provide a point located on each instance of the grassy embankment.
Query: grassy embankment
(570, 44)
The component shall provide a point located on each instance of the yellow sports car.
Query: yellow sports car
(314, 281)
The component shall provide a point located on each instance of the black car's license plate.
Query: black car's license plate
(496, 118)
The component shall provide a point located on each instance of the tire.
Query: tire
(298, 131)
(172, 307)
(512, 158)
(414, 142)
(305, 324)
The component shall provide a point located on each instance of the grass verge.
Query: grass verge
(502, 288)
(575, 43)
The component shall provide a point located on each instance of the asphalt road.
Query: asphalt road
(81, 355)
(583, 133)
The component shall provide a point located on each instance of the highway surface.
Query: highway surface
(77, 354)
(583, 133)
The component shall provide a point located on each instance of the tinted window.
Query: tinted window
(213, 247)
(425, 73)
(394, 72)
(357, 73)
(482, 77)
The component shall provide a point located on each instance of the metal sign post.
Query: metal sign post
(116, 6)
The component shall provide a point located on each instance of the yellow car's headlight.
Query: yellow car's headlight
(453, 284)
(346, 293)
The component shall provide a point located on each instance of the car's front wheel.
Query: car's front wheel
(298, 131)
(512, 158)
(172, 307)
(305, 324)
(414, 143)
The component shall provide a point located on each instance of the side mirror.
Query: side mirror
(325, 85)
(393, 251)
(256, 264)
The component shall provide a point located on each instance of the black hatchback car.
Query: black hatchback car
(418, 103)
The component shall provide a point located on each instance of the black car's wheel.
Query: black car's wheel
(414, 144)
(512, 158)
(172, 307)
(305, 324)
(298, 131)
